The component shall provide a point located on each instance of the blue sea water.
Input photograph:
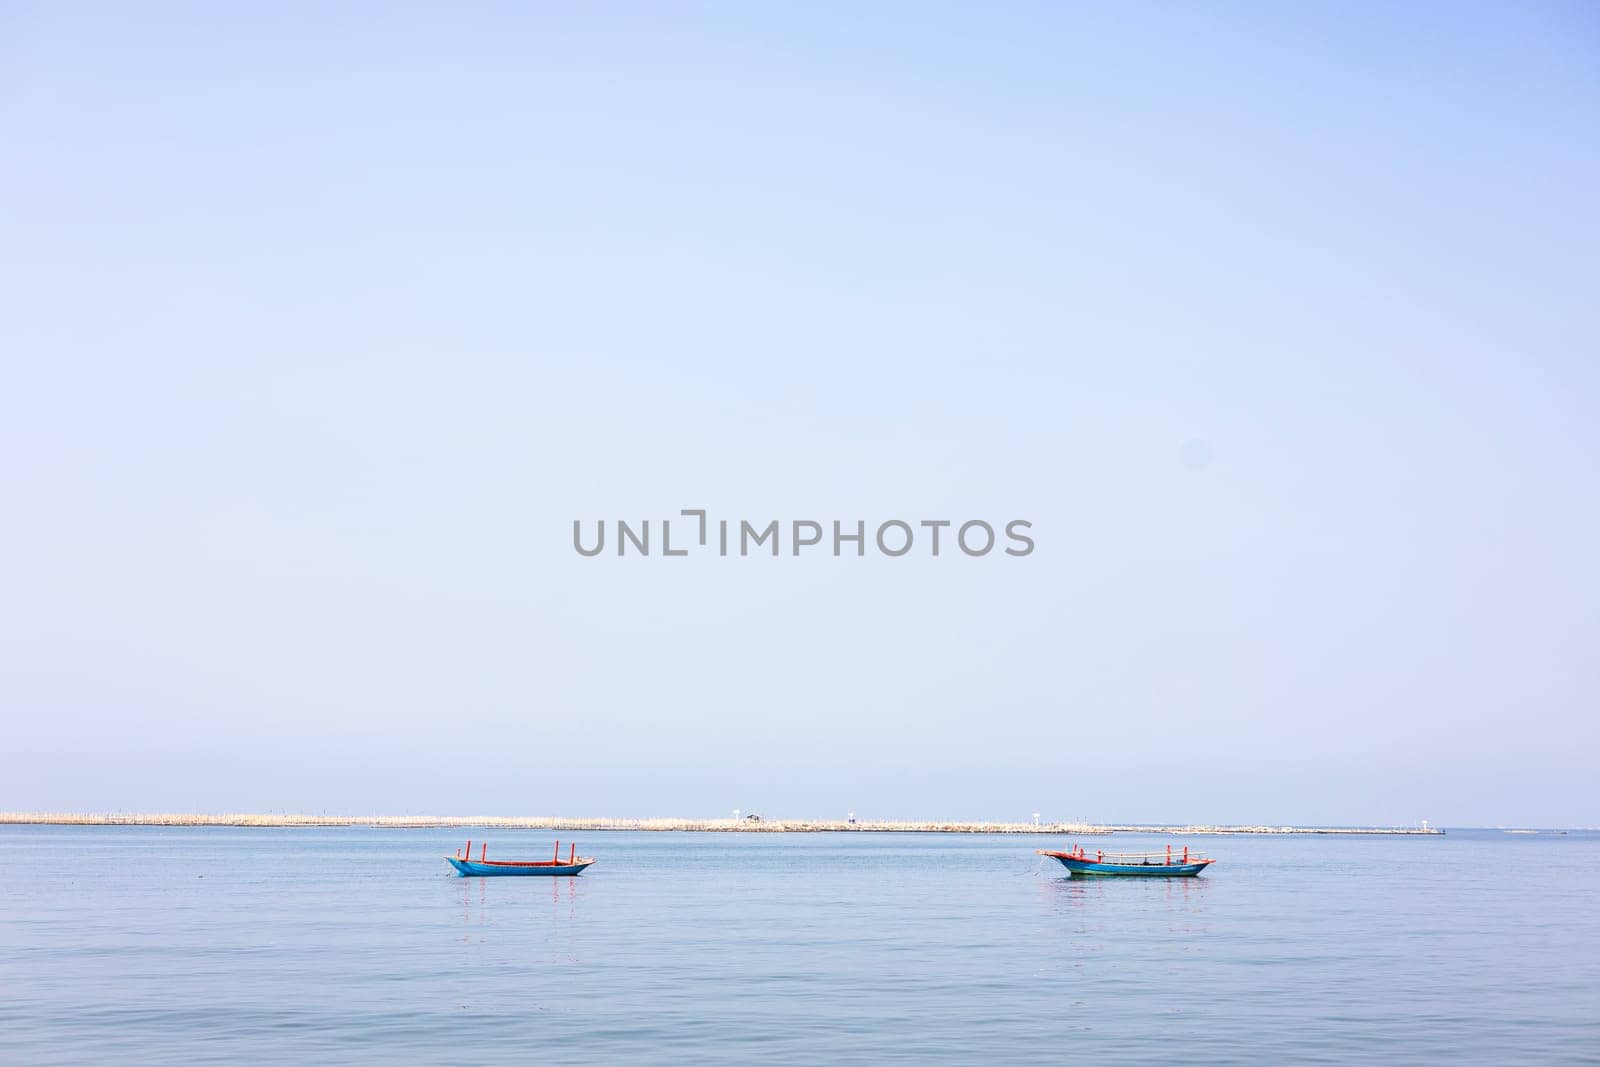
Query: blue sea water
(146, 945)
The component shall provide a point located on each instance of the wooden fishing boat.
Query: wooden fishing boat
(466, 865)
(1132, 864)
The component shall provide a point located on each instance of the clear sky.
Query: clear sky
(318, 327)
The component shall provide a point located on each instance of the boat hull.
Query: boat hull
(469, 868)
(1090, 869)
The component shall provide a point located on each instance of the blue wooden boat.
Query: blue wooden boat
(1131, 864)
(467, 866)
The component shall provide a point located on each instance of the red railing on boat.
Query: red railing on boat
(553, 861)
(1136, 859)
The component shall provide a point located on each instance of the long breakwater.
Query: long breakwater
(724, 825)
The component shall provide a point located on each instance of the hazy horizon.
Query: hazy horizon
(323, 326)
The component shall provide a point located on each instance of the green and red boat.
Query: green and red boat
(1166, 864)
(467, 866)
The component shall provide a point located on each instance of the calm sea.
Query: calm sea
(183, 946)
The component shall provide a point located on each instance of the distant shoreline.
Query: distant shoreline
(746, 825)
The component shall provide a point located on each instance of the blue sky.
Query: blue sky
(321, 327)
